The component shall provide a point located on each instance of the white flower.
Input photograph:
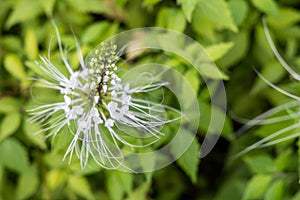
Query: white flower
(96, 102)
(270, 117)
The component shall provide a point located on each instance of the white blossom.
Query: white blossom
(95, 103)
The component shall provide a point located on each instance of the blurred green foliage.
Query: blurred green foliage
(232, 33)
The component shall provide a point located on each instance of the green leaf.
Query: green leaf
(193, 78)
(150, 3)
(1, 176)
(121, 3)
(268, 73)
(35, 68)
(282, 162)
(9, 104)
(62, 140)
(11, 43)
(296, 196)
(260, 164)
(30, 129)
(257, 186)
(93, 6)
(28, 183)
(188, 8)
(97, 32)
(14, 156)
(285, 18)
(55, 178)
(202, 25)
(239, 10)
(210, 70)
(80, 186)
(31, 44)
(267, 6)
(114, 186)
(171, 18)
(189, 161)
(9, 125)
(275, 191)
(231, 189)
(262, 51)
(23, 11)
(190, 154)
(48, 6)
(218, 12)
(148, 163)
(217, 51)
(209, 124)
(14, 66)
(126, 180)
(140, 193)
(118, 184)
(237, 52)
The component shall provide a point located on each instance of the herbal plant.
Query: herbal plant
(96, 104)
(231, 32)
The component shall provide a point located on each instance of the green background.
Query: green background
(232, 33)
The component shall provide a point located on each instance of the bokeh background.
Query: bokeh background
(231, 32)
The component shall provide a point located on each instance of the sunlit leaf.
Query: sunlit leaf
(202, 25)
(192, 77)
(9, 104)
(239, 10)
(34, 67)
(140, 193)
(14, 156)
(171, 18)
(14, 66)
(31, 44)
(30, 130)
(257, 186)
(9, 124)
(286, 17)
(80, 186)
(28, 183)
(23, 11)
(98, 32)
(275, 191)
(93, 6)
(188, 8)
(267, 6)
(211, 9)
(55, 178)
(217, 51)
(48, 6)
(119, 183)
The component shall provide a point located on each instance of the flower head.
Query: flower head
(96, 107)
